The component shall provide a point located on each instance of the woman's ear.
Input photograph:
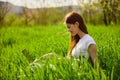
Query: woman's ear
(77, 24)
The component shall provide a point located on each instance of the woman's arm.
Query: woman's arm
(92, 50)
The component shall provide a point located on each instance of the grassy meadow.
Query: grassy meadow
(39, 40)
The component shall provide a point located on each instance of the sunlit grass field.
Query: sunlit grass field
(39, 40)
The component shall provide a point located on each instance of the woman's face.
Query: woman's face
(73, 28)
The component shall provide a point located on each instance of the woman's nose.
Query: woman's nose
(68, 30)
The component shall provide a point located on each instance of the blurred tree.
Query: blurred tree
(91, 11)
(28, 15)
(42, 16)
(4, 9)
(111, 11)
(47, 16)
(101, 11)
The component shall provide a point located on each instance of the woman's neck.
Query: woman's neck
(81, 34)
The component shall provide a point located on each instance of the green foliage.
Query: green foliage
(37, 41)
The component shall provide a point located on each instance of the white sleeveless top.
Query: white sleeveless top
(81, 47)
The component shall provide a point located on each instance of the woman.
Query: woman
(81, 42)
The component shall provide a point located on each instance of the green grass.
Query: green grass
(40, 40)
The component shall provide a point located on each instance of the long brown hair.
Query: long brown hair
(71, 18)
